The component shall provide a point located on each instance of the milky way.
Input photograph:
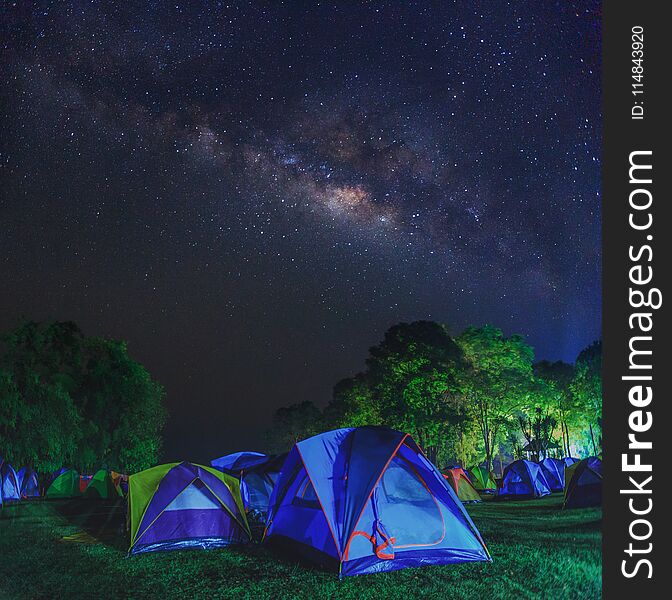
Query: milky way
(252, 193)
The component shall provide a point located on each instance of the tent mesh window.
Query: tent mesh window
(406, 504)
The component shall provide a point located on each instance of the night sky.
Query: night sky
(252, 193)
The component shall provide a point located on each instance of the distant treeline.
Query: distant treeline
(71, 400)
(465, 399)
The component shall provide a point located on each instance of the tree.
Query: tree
(292, 424)
(511, 439)
(353, 404)
(411, 384)
(39, 424)
(122, 407)
(53, 428)
(587, 390)
(559, 377)
(538, 431)
(76, 400)
(498, 383)
(13, 413)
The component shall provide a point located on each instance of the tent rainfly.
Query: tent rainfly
(101, 485)
(28, 483)
(523, 479)
(10, 490)
(366, 500)
(184, 505)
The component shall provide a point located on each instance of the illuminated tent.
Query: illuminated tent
(10, 490)
(583, 483)
(461, 484)
(569, 461)
(101, 485)
(28, 483)
(183, 505)
(523, 479)
(366, 500)
(257, 474)
(554, 471)
(64, 485)
(482, 479)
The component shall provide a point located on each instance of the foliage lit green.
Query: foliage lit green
(499, 382)
(467, 399)
(587, 389)
(69, 399)
(411, 384)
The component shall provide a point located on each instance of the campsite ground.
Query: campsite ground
(76, 549)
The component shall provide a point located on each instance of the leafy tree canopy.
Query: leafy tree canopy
(499, 383)
(292, 424)
(411, 383)
(586, 388)
(69, 399)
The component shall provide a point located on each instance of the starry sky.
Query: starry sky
(251, 193)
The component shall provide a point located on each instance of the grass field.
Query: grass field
(77, 549)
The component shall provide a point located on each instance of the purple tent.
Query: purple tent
(183, 505)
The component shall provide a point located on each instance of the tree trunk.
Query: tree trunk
(564, 438)
(567, 436)
(592, 439)
(488, 453)
(485, 432)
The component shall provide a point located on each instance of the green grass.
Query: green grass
(77, 550)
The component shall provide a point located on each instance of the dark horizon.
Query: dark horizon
(252, 196)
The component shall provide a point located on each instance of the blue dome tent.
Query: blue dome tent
(523, 479)
(28, 484)
(9, 483)
(257, 474)
(239, 461)
(366, 500)
(554, 471)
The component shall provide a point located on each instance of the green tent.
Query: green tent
(482, 479)
(66, 485)
(102, 486)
